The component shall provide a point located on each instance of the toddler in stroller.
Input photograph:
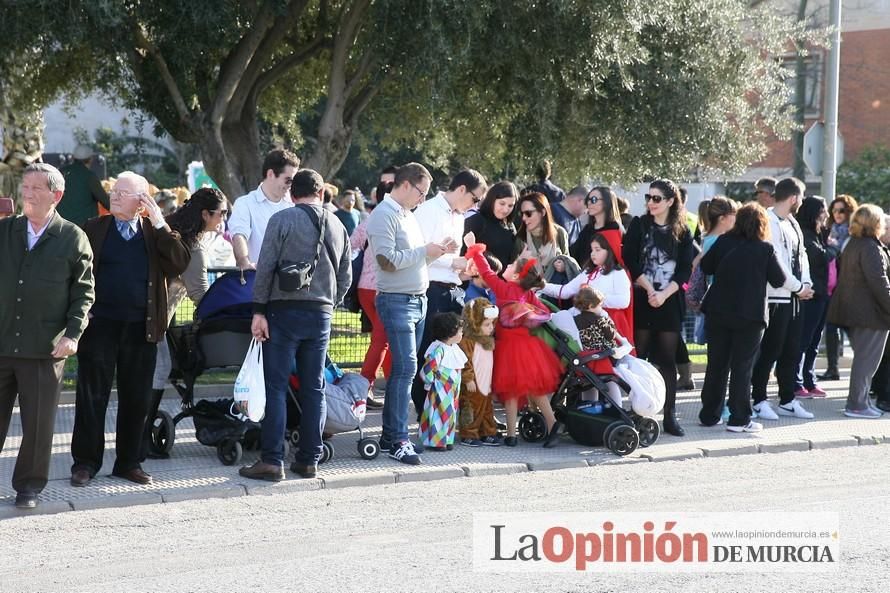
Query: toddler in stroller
(589, 400)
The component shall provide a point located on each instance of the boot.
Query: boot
(832, 347)
(685, 382)
(671, 426)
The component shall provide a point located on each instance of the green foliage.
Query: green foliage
(867, 178)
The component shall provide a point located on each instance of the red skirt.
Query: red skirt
(523, 365)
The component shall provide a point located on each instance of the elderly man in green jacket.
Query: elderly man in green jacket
(46, 264)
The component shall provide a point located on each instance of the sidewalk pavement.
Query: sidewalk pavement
(194, 472)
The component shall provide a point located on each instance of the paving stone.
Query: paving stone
(784, 446)
(289, 485)
(9, 511)
(869, 439)
(367, 479)
(619, 461)
(540, 466)
(120, 500)
(740, 449)
(205, 492)
(833, 442)
(429, 474)
(653, 454)
(494, 469)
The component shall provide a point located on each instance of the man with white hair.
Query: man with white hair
(47, 289)
(83, 190)
(133, 261)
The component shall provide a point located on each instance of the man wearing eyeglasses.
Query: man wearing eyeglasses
(441, 220)
(251, 212)
(765, 191)
(397, 243)
(134, 258)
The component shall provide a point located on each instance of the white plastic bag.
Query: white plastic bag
(647, 390)
(250, 384)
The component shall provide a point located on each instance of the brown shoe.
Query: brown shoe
(262, 471)
(135, 475)
(80, 478)
(302, 470)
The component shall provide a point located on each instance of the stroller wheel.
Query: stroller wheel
(649, 431)
(368, 448)
(229, 452)
(608, 431)
(624, 440)
(327, 452)
(532, 427)
(294, 437)
(163, 433)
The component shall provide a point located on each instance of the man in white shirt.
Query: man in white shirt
(441, 220)
(251, 212)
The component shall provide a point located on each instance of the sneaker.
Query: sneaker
(750, 427)
(867, 413)
(718, 423)
(795, 409)
(471, 442)
(491, 441)
(765, 411)
(404, 452)
(802, 393)
(817, 392)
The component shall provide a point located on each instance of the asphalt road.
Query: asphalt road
(417, 536)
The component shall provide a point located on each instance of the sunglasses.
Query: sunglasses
(591, 200)
(838, 210)
(528, 213)
(655, 199)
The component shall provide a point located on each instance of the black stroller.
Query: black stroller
(218, 337)
(597, 423)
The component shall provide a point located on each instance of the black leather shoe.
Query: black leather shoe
(671, 426)
(262, 471)
(80, 478)
(510, 441)
(883, 405)
(135, 475)
(303, 470)
(26, 500)
(829, 376)
(374, 404)
(553, 436)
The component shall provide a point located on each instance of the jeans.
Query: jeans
(403, 317)
(441, 298)
(813, 313)
(302, 335)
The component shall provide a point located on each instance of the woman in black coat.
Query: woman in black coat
(493, 224)
(658, 253)
(736, 315)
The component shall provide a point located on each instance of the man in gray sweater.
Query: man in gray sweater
(295, 323)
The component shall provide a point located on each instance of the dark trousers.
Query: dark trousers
(780, 346)
(441, 298)
(834, 337)
(731, 354)
(301, 336)
(37, 383)
(812, 313)
(880, 382)
(108, 346)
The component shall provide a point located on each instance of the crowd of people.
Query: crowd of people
(452, 284)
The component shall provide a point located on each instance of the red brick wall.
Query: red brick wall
(864, 103)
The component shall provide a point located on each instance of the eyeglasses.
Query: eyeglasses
(128, 194)
(420, 191)
(476, 199)
(656, 198)
(528, 213)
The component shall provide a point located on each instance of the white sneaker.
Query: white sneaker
(795, 409)
(765, 411)
(750, 427)
(868, 413)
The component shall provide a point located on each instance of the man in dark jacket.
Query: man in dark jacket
(133, 260)
(83, 190)
(47, 289)
(567, 213)
(294, 323)
(553, 192)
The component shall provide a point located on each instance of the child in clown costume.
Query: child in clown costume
(441, 374)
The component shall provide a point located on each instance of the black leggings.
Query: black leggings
(660, 348)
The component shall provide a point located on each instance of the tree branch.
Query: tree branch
(281, 67)
(350, 21)
(361, 71)
(143, 43)
(361, 100)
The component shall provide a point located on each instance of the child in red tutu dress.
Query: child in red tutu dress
(524, 367)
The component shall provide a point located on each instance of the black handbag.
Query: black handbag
(294, 276)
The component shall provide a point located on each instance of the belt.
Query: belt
(407, 294)
(444, 284)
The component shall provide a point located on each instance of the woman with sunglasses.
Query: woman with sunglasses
(493, 224)
(602, 208)
(204, 212)
(839, 214)
(658, 253)
(539, 237)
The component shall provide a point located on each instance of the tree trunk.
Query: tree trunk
(22, 144)
(330, 150)
(220, 165)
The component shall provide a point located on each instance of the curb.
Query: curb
(395, 476)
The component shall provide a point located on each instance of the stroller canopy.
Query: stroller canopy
(230, 296)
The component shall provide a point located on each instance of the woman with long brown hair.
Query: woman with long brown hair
(539, 237)
(658, 253)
